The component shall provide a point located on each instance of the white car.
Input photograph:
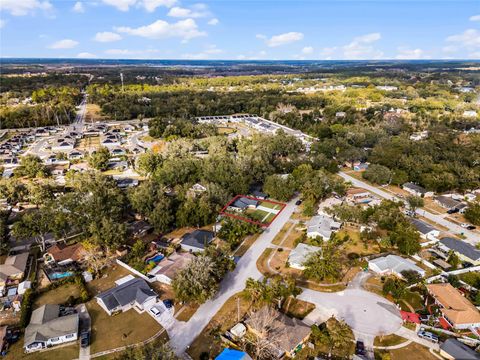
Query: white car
(464, 225)
(154, 311)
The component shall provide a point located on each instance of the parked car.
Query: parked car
(464, 225)
(168, 303)
(428, 336)
(298, 202)
(425, 318)
(410, 213)
(154, 311)
(471, 227)
(360, 348)
(453, 211)
(467, 264)
(85, 339)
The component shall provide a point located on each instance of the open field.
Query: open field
(412, 351)
(109, 332)
(107, 280)
(224, 130)
(88, 143)
(93, 113)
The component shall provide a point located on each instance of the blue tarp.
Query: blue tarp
(230, 354)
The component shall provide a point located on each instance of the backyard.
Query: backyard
(58, 295)
(67, 352)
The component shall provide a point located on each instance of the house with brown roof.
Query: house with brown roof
(63, 254)
(286, 335)
(166, 269)
(456, 309)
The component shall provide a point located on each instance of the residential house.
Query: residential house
(288, 334)
(417, 136)
(464, 250)
(196, 189)
(13, 269)
(75, 155)
(322, 226)
(48, 327)
(232, 354)
(470, 113)
(416, 190)
(358, 196)
(124, 183)
(133, 293)
(360, 166)
(139, 228)
(453, 349)
(65, 144)
(456, 309)
(447, 202)
(166, 269)
(393, 264)
(300, 254)
(243, 203)
(197, 240)
(427, 231)
(63, 254)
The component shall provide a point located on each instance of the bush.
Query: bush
(26, 309)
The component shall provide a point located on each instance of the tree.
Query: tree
(472, 213)
(99, 159)
(278, 187)
(97, 260)
(39, 193)
(406, 238)
(323, 264)
(35, 224)
(395, 287)
(377, 174)
(108, 233)
(148, 163)
(415, 202)
(454, 281)
(411, 276)
(196, 282)
(156, 350)
(31, 166)
(234, 231)
(274, 290)
(453, 259)
(335, 335)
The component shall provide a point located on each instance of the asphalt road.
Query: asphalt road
(470, 236)
(182, 335)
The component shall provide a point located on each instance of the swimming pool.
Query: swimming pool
(156, 258)
(60, 275)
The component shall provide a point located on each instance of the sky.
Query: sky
(241, 30)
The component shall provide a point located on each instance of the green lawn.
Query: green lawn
(57, 296)
(109, 332)
(63, 353)
(269, 205)
(414, 299)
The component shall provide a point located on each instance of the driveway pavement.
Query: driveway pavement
(182, 335)
(85, 325)
(470, 236)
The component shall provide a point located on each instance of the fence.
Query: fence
(136, 272)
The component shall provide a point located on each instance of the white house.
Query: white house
(134, 293)
(323, 226)
(427, 231)
(166, 269)
(416, 190)
(48, 328)
(300, 254)
(393, 264)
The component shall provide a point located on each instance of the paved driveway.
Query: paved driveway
(366, 313)
(85, 325)
(182, 336)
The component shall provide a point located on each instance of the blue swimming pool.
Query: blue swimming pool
(60, 275)
(156, 258)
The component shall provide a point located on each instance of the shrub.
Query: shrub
(26, 309)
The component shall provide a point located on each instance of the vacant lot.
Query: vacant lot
(57, 296)
(412, 351)
(109, 332)
(388, 340)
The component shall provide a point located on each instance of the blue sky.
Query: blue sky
(229, 29)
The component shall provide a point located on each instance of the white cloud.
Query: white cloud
(119, 52)
(126, 53)
(260, 55)
(307, 50)
(449, 49)
(86, 55)
(327, 52)
(24, 7)
(475, 18)
(469, 39)
(361, 47)
(281, 39)
(107, 36)
(2, 23)
(64, 44)
(185, 29)
(149, 5)
(213, 21)
(205, 54)
(411, 54)
(261, 36)
(195, 11)
(78, 7)
(475, 55)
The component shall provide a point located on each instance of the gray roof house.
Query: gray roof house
(47, 328)
(417, 190)
(300, 254)
(393, 264)
(454, 349)
(323, 226)
(243, 203)
(426, 230)
(13, 268)
(132, 293)
(463, 249)
(197, 240)
(447, 202)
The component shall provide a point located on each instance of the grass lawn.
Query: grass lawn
(68, 352)
(109, 332)
(388, 340)
(297, 308)
(262, 262)
(224, 319)
(414, 299)
(281, 234)
(269, 205)
(187, 311)
(223, 130)
(242, 249)
(107, 280)
(412, 351)
(57, 296)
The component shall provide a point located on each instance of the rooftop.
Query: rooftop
(422, 226)
(396, 264)
(461, 247)
(128, 292)
(198, 238)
